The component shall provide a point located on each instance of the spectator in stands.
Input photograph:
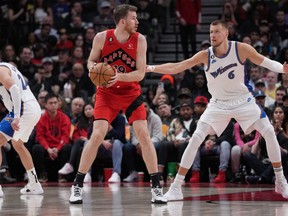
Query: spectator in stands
(9, 54)
(179, 133)
(280, 93)
(77, 105)
(280, 28)
(77, 27)
(41, 100)
(25, 65)
(88, 40)
(78, 139)
(283, 80)
(255, 73)
(44, 79)
(105, 19)
(79, 41)
(78, 55)
(133, 149)
(64, 41)
(200, 86)
(63, 66)
(61, 13)
(189, 16)
(214, 145)
(228, 14)
(164, 110)
(112, 147)
(260, 98)
(271, 79)
(19, 21)
(39, 52)
(48, 20)
(243, 142)
(41, 11)
(283, 55)
(184, 96)
(52, 137)
(81, 86)
(257, 158)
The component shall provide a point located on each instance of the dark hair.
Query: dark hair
(219, 22)
(121, 12)
(49, 96)
(84, 122)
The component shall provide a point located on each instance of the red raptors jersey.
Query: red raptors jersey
(123, 57)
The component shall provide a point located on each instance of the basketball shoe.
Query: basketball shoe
(76, 195)
(281, 187)
(32, 189)
(174, 193)
(157, 196)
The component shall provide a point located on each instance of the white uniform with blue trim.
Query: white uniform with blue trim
(231, 94)
(30, 109)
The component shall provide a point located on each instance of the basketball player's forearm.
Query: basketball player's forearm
(135, 76)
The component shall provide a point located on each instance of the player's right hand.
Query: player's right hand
(16, 124)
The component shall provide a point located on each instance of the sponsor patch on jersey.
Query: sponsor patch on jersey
(130, 46)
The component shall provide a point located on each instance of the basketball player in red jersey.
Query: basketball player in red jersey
(124, 49)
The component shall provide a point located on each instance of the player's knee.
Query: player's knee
(267, 131)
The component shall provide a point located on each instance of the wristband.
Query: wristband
(151, 68)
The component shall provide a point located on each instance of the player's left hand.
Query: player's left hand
(285, 67)
(16, 124)
(113, 79)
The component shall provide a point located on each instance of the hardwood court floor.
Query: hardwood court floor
(205, 199)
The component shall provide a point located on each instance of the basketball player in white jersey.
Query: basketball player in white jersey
(231, 98)
(17, 125)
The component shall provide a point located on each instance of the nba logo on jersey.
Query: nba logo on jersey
(213, 61)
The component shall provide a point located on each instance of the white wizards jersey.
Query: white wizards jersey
(25, 92)
(226, 76)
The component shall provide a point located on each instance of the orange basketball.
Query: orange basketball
(101, 73)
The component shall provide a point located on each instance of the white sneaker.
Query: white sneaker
(115, 178)
(1, 192)
(281, 187)
(157, 196)
(174, 193)
(133, 176)
(32, 189)
(88, 178)
(76, 195)
(66, 169)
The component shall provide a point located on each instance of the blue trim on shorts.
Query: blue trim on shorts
(263, 113)
(5, 124)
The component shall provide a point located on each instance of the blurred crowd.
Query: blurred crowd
(49, 42)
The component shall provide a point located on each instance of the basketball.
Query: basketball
(101, 73)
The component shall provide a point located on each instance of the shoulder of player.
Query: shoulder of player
(141, 38)
(243, 46)
(5, 72)
(100, 36)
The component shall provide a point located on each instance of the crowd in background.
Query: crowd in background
(49, 42)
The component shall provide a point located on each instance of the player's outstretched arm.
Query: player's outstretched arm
(248, 52)
(174, 68)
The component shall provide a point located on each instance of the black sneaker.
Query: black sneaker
(236, 178)
(4, 179)
(252, 179)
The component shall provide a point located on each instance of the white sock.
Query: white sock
(279, 173)
(32, 176)
(178, 180)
